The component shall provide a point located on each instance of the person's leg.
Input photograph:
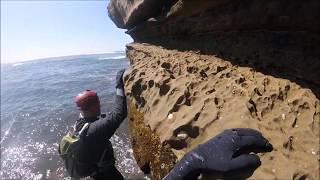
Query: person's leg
(110, 173)
(116, 174)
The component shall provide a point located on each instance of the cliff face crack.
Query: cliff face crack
(196, 117)
(192, 69)
(289, 144)
(136, 91)
(294, 122)
(210, 91)
(203, 74)
(316, 116)
(187, 95)
(252, 108)
(166, 65)
(177, 104)
(150, 83)
(164, 89)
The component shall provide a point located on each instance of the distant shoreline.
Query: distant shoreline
(66, 57)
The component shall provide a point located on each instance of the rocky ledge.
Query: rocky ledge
(198, 67)
(185, 98)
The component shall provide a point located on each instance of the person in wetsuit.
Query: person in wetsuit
(225, 156)
(96, 157)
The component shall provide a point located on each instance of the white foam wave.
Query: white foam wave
(8, 130)
(115, 57)
(17, 64)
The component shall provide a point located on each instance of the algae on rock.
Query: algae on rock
(151, 156)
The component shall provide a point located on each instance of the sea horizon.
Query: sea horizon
(65, 57)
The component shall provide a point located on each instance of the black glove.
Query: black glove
(224, 156)
(119, 79)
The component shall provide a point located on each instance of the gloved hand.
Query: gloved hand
(119, 79)
(224, 156)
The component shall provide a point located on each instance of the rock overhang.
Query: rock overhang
(242, 64)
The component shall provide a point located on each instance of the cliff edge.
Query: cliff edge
(199, 67)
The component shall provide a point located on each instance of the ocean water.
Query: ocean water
(37, 109)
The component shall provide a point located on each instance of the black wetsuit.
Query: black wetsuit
(96, 141)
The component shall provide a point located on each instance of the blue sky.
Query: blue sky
(32, 29)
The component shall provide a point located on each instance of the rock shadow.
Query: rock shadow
(289, 55)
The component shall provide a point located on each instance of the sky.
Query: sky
(32, 29)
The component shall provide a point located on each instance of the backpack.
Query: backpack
(69, 150)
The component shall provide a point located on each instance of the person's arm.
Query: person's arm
(104, 128)
(224, 156)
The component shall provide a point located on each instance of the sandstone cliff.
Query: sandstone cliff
(198, 67)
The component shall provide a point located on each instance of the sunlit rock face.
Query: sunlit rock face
(198, 67)
(187, 98)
